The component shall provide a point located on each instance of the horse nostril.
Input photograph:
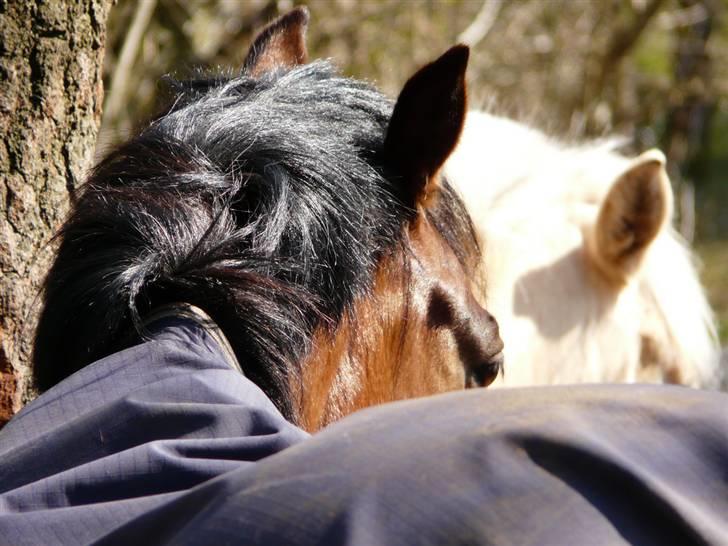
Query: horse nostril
(485, 373)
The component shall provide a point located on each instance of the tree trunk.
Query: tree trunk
(51, 93)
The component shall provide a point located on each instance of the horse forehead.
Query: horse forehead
(544, 263)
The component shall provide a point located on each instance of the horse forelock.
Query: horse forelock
(259, 200)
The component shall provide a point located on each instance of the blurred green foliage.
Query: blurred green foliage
(714, 257)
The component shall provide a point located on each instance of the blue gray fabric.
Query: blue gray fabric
(165, 443)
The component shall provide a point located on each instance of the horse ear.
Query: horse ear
(280, 44)
(636, 209)
(426, 123)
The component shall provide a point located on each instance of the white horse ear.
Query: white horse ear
(637, 207)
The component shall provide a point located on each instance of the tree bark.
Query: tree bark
(51, 93)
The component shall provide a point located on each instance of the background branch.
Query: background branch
(481, 25)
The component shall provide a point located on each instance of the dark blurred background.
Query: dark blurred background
(655, 71)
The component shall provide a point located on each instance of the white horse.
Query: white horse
(585, 275)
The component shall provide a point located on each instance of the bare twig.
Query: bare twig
(481, 25)
(687, 211)
(117, 87)
(620, 44)
(625, 37)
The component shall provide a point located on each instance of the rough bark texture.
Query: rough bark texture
(51, 92)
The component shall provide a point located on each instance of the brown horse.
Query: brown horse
(305, 215)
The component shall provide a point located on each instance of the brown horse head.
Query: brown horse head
(300, 211)
(418, 330)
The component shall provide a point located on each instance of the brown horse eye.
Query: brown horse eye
(475, 331)
(484, 374)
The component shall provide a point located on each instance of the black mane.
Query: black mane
(261, 201)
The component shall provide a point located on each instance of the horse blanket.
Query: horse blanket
(167, 442)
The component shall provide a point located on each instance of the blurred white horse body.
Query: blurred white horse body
(587, 279)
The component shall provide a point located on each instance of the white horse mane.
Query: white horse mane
(565, 316)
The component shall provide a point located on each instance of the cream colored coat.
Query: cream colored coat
(583, 271)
